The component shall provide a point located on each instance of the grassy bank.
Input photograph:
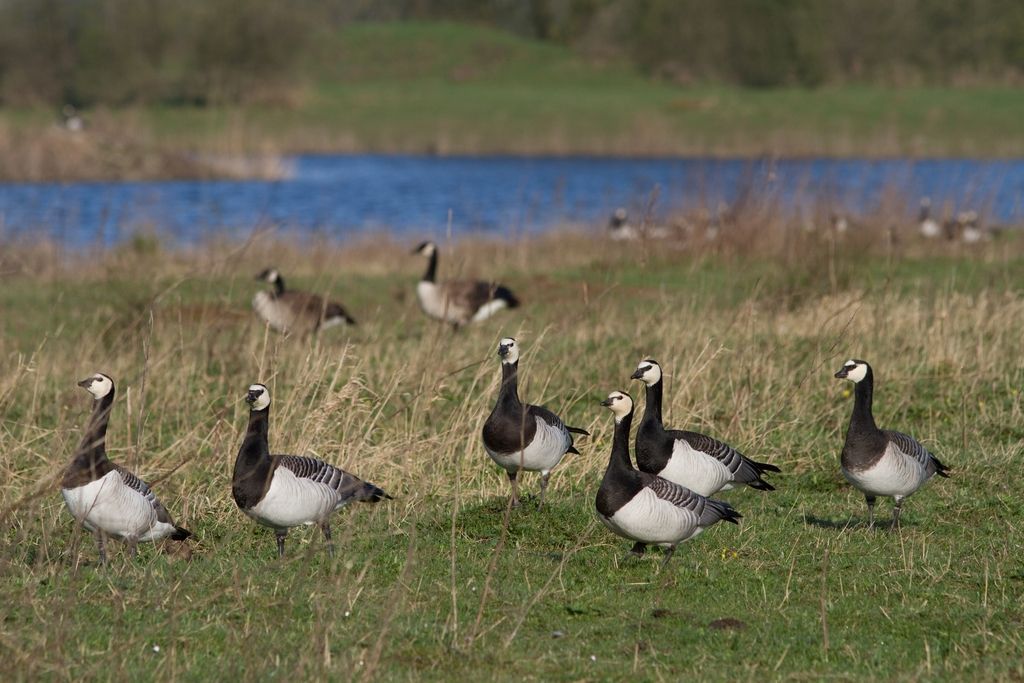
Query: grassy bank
(451, 89)
(442, 583)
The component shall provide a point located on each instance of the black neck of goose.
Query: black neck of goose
(255, 445)
(93, 447)
(620, 444)
(509, 392)
(279, 285)
(652, 407)
(863, 391)
(431, 274)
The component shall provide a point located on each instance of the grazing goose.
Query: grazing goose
(521, 436)
(881, 462)
(282, 491)
(106, 498)
(458, 302)
(646, 508)
(293, 311)
(928, 226)
(690, 459)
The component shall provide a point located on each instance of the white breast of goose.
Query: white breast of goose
(111, 506)
(433, 301)
(276, 313)
(540, 455)
(697, 471)
(292, 501)
(895, 474)
(653, 520)
(489, 309)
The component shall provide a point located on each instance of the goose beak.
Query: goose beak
(503, 350)
(607, 403)
(85, 383)
(638, 374)
(843, 372)
(251, 397)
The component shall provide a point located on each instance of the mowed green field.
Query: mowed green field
(458, 89)
(444, 582)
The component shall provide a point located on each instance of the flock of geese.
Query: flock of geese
(664, 500)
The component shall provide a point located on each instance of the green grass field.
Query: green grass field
(455, 89)
(443, 583)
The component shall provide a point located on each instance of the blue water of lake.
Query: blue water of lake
(341, 196)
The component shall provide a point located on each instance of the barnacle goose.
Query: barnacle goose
(282, 491)
(293, 311)
(106, 498)
(928, 226)
(521, 436)
(458, 302)
(690, 459)
(881, 462)
(646, 508)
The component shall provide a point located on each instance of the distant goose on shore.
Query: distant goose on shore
(283, 491)
(106, 498)
(690, 459)
(646, 508)
(970, 229)
(620, 229)
(521, 436)
(881, 462)
(927, 225)
(458, 302)
(294, 311)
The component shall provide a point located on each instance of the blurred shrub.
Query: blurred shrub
(173, 51)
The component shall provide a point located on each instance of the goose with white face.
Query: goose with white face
(853, 370)
(425, 249)
(649, 371)
(620, 403)
(258, 397)
(269, 275)
(508, 350)
(99, 385)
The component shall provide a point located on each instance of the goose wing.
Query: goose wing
(553, 420)
(743, 469)
(314, 306)
(912, 448)
(470, 295)
(345, 485)
(142, 488)
(707, 510)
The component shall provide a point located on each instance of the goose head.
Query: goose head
(854, 370)
(427, 249)
(258, 397)
(99, 385)
(620, 403)
(649, 371)
(269, 275)
(508, 351)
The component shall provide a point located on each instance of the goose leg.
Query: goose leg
(871, 511)
(512, 477)
(280, 541)
(638, 550)
(133, 547)
(326, 528)
(896, 508)
(101, 543)
(668, 556)
(543, 487)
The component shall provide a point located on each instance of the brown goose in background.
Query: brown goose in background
(458, 302)
(106, 498)
(294, 311)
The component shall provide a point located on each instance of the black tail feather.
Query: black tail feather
(762, 467)
(940, 469)
(761, 485)
(505, 294)
(180, 534)
(577, 430)
(572, 449)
